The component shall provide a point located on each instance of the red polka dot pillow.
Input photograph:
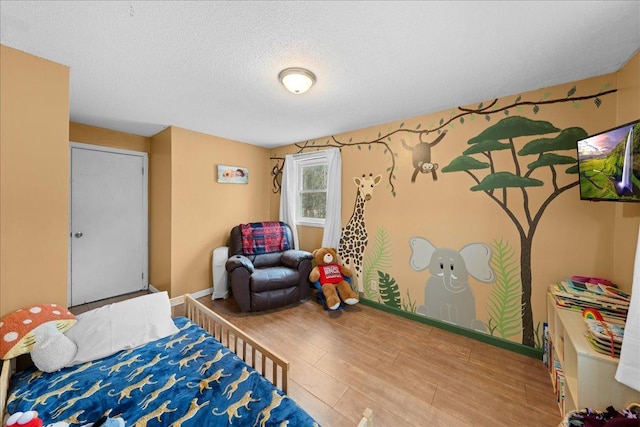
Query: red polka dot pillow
(16, 329)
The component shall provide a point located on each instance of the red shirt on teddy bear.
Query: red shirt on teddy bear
(330, 273)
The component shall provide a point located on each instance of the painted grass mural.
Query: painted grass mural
(377, 258)
(504, 306)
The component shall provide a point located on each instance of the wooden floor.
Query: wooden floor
(408, 373)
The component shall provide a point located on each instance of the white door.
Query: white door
(108, 225)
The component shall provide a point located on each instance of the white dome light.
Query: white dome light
(297, 80)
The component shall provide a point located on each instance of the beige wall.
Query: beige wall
(310, 238)
(191, 213)
(627, 216)
(160, 211)
(79, 132)
(34, 180)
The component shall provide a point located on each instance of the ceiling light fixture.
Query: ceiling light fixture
(297, 80)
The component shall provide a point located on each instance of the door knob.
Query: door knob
(78, 235)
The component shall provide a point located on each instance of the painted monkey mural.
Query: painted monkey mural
(354, 238)
(447, 294)
(421, 157)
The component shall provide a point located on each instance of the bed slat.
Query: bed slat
(5, 376)
(367, 418)
(237, 341)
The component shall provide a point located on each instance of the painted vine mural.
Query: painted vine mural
(537, 164)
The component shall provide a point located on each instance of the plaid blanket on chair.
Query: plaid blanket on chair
(264, 237)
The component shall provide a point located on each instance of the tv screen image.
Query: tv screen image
(609, 164)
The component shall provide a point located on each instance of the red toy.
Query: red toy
(331, 276)
(24, 419)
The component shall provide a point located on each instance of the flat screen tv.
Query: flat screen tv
(609, 164)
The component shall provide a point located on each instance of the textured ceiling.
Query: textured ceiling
(212, 67)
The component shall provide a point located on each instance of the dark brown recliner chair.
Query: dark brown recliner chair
(267, 280)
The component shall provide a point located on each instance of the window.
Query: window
(312, 194)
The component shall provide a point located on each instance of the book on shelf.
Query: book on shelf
(557, 374)
(599, 289)
(605, 337)
(568, 289)
(612, 303)
(545, 344)
(561, 398)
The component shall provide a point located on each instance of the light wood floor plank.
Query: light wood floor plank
(409, 373)
(397, 401)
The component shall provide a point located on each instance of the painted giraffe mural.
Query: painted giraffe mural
(354, 238)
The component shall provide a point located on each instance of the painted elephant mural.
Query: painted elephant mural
(447, 294)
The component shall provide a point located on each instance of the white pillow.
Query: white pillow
(123, 325)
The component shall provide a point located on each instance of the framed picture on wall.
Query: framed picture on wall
(233, 174)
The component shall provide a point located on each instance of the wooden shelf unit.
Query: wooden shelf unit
(589, 376)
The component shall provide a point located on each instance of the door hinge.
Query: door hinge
(143, 170)
(143, 275)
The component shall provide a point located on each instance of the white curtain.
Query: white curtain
(289, 194)
(333, 219)
(628, 372)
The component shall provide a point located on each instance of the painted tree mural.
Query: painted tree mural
(508, 134)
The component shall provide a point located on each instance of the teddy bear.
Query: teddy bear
(331, 276)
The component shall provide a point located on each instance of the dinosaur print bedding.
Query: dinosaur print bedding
(186, 379)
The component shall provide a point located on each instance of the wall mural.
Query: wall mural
(379, 285)
(458, 115)
(377, 260)
(354, 237)
(447, 294)
(532, 146)
(421, 157)
(507, 134)
(504, 306)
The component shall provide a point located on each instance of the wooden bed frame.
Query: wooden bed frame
(271, 366)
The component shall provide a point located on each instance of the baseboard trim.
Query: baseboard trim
(196, 295)
(202, 293)
(469, 333)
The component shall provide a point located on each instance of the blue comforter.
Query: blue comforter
(187, 379)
